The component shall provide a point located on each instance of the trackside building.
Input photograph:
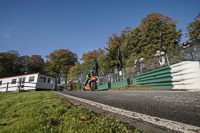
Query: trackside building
(27, 82)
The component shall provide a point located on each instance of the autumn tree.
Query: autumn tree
(88, 61)
(75, 72)
(59, 62)
(114, 44)
(154, 32)
(36, 64)
(194, 29)
(95, 60)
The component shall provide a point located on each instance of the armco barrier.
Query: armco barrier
(183, 75)
(159, 78)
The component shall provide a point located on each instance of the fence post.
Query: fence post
(167, 60)
(19, 86)
(7, 86)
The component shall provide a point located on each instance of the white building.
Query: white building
(33, 81)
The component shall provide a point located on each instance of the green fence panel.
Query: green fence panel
(123, 82)
(133, 81)
(105, 86)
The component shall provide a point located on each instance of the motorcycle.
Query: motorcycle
(70, 86)
(91, 85)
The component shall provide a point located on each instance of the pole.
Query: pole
(7, 87)
(123, 72)
(20, 83)
(167, 60)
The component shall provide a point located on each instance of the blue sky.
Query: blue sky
(42, 26)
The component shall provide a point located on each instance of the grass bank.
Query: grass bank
(43, 111)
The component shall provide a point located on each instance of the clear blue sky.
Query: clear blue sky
(42, 26)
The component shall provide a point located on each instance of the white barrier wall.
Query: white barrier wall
(186, 75)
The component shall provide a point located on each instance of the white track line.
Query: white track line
(173, 125)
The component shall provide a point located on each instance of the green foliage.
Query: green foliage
(75, 72)
(60, 61)
(194, 29)
(154, 32)
(89, 62)
(36, 64)
(11, 64)
(113, 44)
(40, 112)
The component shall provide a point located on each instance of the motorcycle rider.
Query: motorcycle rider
(88, 76)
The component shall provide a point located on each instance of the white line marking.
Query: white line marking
(173, 125)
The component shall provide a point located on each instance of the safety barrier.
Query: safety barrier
(160, 78)
(186, 75)
(183, 75)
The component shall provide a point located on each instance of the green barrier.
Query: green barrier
(133, 81)
(158, 79)
(105, 86)
(123, 82)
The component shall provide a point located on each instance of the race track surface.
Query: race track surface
(182, 107)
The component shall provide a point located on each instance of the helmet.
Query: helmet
(91, 71)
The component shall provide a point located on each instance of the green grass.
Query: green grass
(45, 112)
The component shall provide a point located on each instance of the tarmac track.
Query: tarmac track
(182, 107)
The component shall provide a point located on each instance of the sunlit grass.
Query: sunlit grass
(43, 111)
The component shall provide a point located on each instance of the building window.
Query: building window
(14, 81)
(49, 80)
(0, 82)
(23, 79)
(42, 79)
(31, 79)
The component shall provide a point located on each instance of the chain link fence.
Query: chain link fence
(161, 59)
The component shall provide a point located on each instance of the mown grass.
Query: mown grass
(134, 87)
(45, 112)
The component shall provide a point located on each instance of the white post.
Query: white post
(167, 60)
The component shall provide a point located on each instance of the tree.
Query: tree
(36, 64)
(158, 32)
(154, 32)
(59, 62)
(194, 29)
(88, 61)
(10, 64)
(113, 45)
(24, 64)
(75, 72)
